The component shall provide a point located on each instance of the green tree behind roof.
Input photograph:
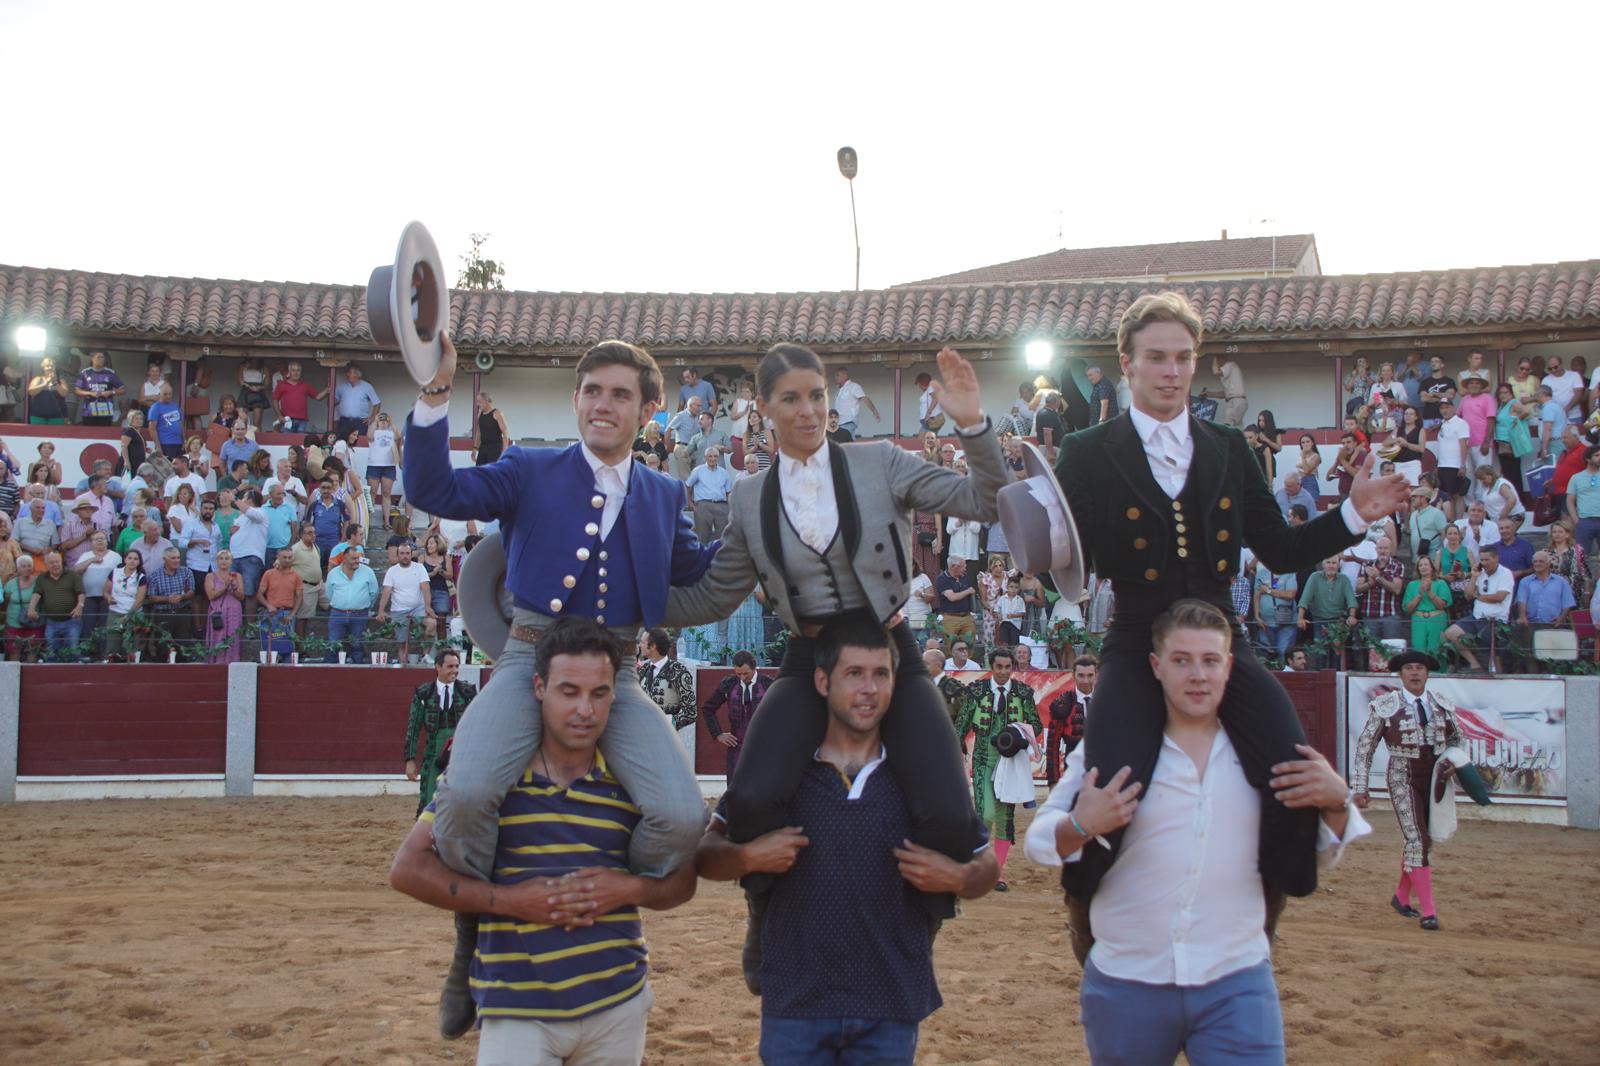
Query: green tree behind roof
(479, 272)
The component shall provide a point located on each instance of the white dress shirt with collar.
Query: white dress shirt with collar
(806, 489)
(1169, 449)
(444, 693)
(1183, 903)
(997, 691)
(612, 480)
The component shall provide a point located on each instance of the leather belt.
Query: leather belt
(527, 634)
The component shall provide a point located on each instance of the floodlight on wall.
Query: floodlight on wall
(31, 339)
(1039, 354)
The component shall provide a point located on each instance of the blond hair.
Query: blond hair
(1158, 307)
(1191, 614)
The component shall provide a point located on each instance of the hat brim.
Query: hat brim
(1025, 522)
(1406, 658)
(481, 591)
(389, 307)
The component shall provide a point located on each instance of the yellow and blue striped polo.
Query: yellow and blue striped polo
(527, 970)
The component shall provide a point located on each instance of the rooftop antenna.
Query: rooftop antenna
(1271, 222)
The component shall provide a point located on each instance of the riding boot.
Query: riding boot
(457, 1011)
(756, 907)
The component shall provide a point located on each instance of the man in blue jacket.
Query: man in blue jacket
(588, 533)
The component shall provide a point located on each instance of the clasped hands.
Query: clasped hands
(572, 901)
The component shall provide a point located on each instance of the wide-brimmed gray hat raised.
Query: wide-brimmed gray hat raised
(408, 303)
(1040, 532)
(485, 603)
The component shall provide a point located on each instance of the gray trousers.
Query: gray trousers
(498, 736)
(710, 519)
(1233, 410)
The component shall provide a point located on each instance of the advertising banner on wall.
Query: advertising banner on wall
(1515, 730)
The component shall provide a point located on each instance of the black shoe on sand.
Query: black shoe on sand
(1404, 910)
(457, 1012)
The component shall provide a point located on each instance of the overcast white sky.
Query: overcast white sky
(690, 147)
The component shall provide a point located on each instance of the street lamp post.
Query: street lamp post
(848, 165)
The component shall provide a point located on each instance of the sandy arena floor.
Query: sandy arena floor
(264, 931)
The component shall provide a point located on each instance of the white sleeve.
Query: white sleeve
(1352, 517)
(1330, 848)
(426, 414)
(1040, 843)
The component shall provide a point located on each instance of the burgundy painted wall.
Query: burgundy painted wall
(1316, 701)
(123, 719)
(105, 719)
(333, 719)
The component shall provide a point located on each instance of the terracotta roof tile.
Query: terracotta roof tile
(197, 309)
(1241, 256)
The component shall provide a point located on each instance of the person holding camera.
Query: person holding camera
(47, 396)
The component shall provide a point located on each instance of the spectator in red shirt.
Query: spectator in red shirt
(290, 398)
(1348, 462)
(1570, 463)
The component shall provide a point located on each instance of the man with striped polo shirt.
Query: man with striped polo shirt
(847, 947)
(561, 971)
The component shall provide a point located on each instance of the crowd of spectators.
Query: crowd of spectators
(1458, 570)
(174, 546)
(195, 545)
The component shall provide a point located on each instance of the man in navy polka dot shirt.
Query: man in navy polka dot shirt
(847, 969)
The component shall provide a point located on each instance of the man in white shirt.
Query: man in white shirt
(958, 658)
(293, 487)
(182, 475)
(405, 595)
(1454, 441)
(248, 542)
(1490, 591)
(848, 398)
(1175, 947)
(1565, 385)
(200, 539)
(930, 415)
(1475, 369)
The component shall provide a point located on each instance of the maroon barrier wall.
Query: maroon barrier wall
(333, 719)
(1316, 701)
(103, 719)
(1313, 694)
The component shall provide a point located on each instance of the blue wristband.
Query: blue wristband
(1073, 818)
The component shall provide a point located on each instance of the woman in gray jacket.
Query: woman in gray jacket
(826, 532)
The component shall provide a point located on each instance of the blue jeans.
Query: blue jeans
(1234, 1020)
(1280, 639)
(341, 623)
(1588, 533)
(841, 1041)
(296, 425)
(59, 636)
(250, 569)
